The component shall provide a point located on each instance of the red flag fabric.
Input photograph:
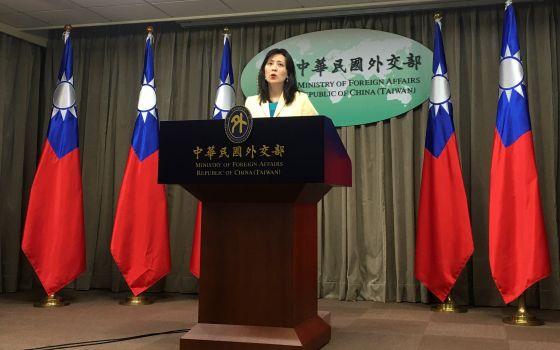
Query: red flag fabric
(518, 248)
(140, 242)
(53, 236)
(518, 245)
(195, 250)
(443, 238)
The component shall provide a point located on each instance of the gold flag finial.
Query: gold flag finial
(226, 30)
(150, 29)
(438, 16)
(67, 28)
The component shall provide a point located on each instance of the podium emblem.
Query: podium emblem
(238, 124)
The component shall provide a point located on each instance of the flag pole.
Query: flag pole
(518, 244)
(52, 299)
(67, 28)
(136, 300)
(449, 304)
(439, 270)
(140, 299)
(225, 100)
(522, 316)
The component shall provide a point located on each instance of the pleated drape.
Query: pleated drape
(20, 86)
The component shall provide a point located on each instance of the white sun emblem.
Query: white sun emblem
(225, 96)
(511, 74)
(441, 94)
(147, 99)
(64, 98)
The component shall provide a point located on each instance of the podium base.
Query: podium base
(310, 335)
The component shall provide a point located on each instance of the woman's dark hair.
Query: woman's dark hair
(290, 85)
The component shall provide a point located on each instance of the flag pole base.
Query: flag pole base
(136, 301)
(522, 317)
(522, 320)
(51, 300)
(449, 306)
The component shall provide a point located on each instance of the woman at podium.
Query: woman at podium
(278, 92)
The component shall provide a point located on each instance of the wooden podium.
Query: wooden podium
(258, 283)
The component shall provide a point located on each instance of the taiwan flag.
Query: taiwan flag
(443, 238)
(517, 237)
(225, 99)
(53, 236)
(225, 94)
(140, 243)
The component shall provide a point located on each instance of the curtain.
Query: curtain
(20, 86)
(366, 232)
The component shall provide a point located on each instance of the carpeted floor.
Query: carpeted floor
(96, 315)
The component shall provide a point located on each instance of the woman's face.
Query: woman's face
(275, 71)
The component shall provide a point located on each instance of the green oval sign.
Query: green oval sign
(355, 76)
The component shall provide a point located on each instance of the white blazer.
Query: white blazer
(300, 106)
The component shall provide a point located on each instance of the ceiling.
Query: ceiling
(29, 19)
